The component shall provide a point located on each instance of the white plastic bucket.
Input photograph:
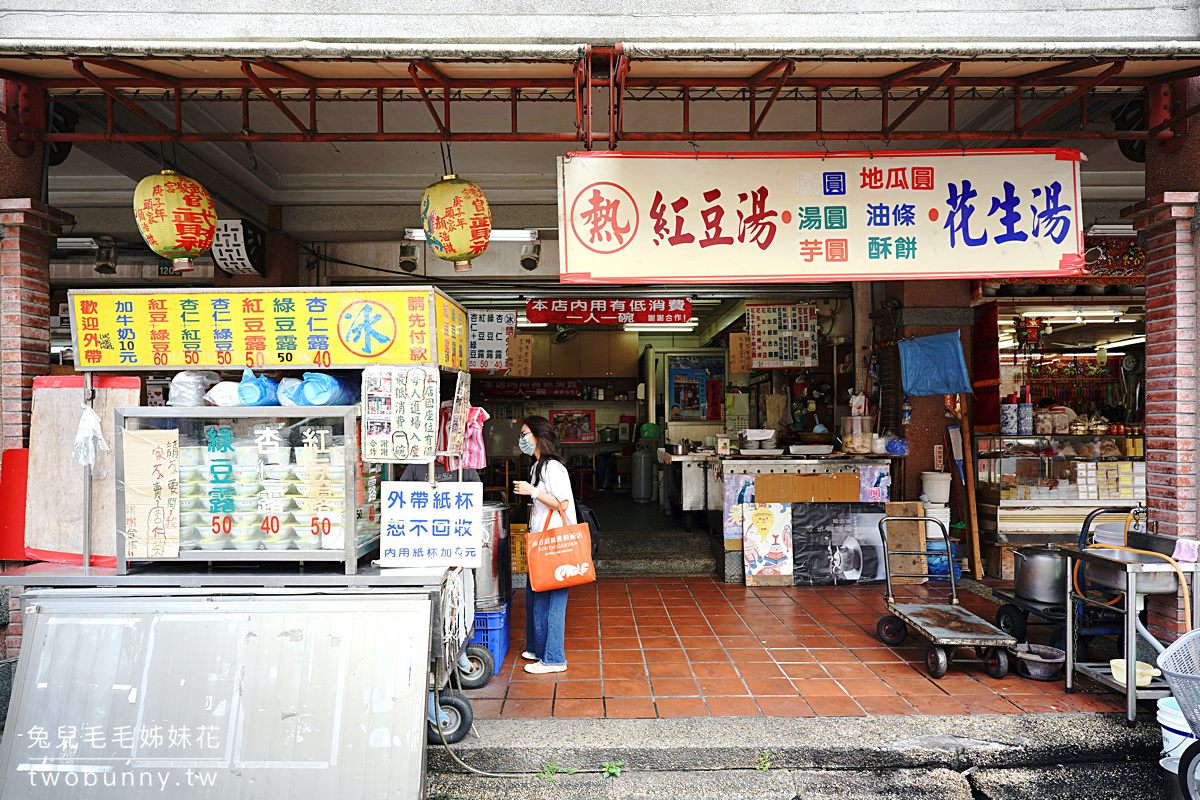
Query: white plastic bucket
(940, 512)
(1176, 733)
(936, 486)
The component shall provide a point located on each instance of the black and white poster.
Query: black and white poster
(837, 543)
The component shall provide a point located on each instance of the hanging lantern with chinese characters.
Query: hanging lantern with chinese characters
(457, 220)
(176, 217)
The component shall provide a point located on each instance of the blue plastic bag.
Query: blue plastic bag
(257, 391)
(934, 365)
(938, 568)
(319, 389)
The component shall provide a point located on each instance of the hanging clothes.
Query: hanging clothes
(474, 456)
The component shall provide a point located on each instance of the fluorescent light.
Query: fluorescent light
(74, 243)
(1116, 229)
(1124, 342)
(686, 327)
(1076, 311)
(497, 235)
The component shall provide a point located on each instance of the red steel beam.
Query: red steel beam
(287, 73)
(1034, 78)
(91, 78)
(1170, 123)
(950, 72)
(787, 73)
(416, 79)
(1113, 69)
(275, 101)
(132, 70)
(910, 72)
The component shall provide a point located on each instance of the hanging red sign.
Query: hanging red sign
(642, 311)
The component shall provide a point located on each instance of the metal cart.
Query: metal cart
(945, 625)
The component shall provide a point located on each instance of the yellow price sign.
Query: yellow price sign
(280, 329)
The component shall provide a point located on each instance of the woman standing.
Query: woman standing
(550, 489)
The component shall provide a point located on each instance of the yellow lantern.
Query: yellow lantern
(176, 217)
(457, 220)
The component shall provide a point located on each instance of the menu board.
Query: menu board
(431, 526)
(400, 413)
(457, 433)
(490, 335)
(782, 336)
(739, 353)
(282, 329)
(151, 460)
(520, 355)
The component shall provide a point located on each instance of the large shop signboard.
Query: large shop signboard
(751, 217)
(278, 329)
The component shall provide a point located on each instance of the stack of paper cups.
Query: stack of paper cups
(1025, 419)
(940, 512)
(1008, 418)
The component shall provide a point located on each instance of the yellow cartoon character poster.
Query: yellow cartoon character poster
(767, 543)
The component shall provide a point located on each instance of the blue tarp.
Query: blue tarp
(934, 365)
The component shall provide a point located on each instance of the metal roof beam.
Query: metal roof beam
(916, 69)
(100, 84)
(1075, 95)
(950, 72)
(787, 73)
(154, 78)
(287, 72)
(1033, 78)
(437, 120)
(275, 101)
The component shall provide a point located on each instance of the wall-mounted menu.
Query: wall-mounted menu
(782, 336)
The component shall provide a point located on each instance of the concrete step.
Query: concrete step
(654, 553)
(656, 566)
(651, 542)
(1129, 781)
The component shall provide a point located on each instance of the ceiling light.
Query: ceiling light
(675, 327)
(497, 235)
(1129, 341)
(523, 322)
(1116, 229)
(74, 243)
(1075, 311)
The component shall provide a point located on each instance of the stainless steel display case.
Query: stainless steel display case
(142, 418)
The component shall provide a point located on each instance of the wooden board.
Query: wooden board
(969, 479)
(817, 487)
(906, 536)
(54, 503)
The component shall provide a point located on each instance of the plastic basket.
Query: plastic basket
(491, 630)
(1180, 665)
(516, 543)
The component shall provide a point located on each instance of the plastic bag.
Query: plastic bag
(88, 437)
(934, 365)
(285, 392)
(257, 391)
(319, 389)
(188, 387)
(223, 394)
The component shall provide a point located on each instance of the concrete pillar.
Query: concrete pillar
(27, 227)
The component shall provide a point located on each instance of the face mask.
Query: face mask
(526, 444)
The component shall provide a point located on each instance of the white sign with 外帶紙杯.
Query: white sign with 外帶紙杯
(428, 525)
(742, 217)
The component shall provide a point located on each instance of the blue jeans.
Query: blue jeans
(545, 623)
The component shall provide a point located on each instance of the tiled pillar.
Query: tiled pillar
(27, 228)
(1172, 320)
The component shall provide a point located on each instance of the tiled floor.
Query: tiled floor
(688, 647)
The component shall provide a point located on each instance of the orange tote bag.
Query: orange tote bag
(559, 557)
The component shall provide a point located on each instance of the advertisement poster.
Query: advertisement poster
(686, 218)
(767, 543)
(282, 329)
(688, 377)
(491, 333)
(603, 311)
(835, 543)
(400, 413)
(574, 426)
(151, 460)
(431, 526)
(687, 398)
(739, 490)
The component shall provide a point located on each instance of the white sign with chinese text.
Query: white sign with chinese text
(151, 460)
(400, 413)
(489, 332)
(427, 525)
(791, 217)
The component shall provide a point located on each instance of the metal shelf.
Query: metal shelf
(1100, 672)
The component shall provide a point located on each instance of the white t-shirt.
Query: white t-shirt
(557, 482)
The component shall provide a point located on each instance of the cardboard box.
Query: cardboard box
(807, 488)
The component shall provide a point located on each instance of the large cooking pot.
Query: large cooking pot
(1041, 574)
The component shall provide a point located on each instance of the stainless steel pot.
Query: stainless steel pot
(678, 449)
(1041, 574)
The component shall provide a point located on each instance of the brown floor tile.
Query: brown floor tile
(762, 687)
(818, 687)
(792, 655)
(622, 657)
(681, 707)
(661, 643)
(527, 709)
(850, 671)
(733, 707)
(909, 687)
(675, 687)
(667, 656)
(745, 655)
(819, 642)
(629, 707)
(834, 655)
(936, 704)
(608, 643)
(707, 654)
(632, 688)
(986, 704)
(781, 642)
(1039, 703)
(861, 687)
(755, 669)
(673, 670)
(531, 690)
(716, 687)
(583, 657)
(894, 670)
(1093, 702)
(624, 672)
(497, 687)
(486, 709)
(578, 689)
(786, 707)
(579, 672)
(804, 671)
(646, 631)
(881, 705)
(579, 708)
(880, 655)
(834, 707)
